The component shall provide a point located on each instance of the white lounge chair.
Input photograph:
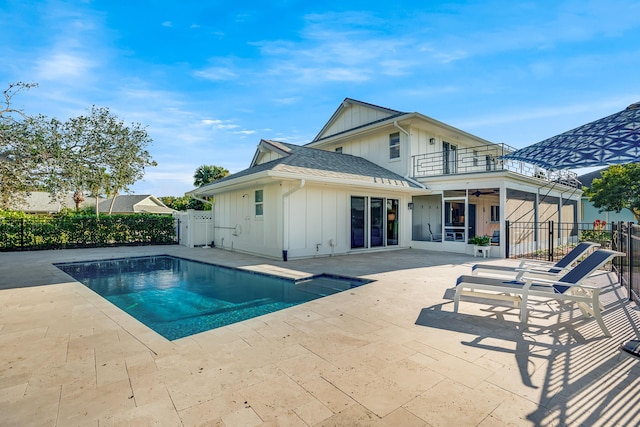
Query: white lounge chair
(568, 288)
(541, 268)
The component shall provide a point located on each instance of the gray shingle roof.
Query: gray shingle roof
(328, 164)
(588, 178)
(42, 202)
(125, 203)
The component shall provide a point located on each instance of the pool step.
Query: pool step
(322, 286)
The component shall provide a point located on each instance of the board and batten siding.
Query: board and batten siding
(375, 148)
(237, 227)
(316, 216)
(353, 117)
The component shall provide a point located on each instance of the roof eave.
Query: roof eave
(264, 176)
(356, 131)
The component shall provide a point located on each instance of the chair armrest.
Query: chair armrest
(541, 269)
(528, 262)
(529, 281)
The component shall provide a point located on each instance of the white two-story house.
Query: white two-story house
(376, 178)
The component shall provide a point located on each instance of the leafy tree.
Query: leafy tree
(206, 174)
(102, 155)
(184, 202)
(96, 152)
(619, 188)
(27, 148)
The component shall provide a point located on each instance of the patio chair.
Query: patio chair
(495, 237)
(540, 268)
(434, 237)
(568, 288)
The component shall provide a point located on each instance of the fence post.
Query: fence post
(630, 258)
(507, 240)
(550, 242)
(22, 233)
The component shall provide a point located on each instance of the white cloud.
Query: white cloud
(167, 24)
(220, 124)
(211, 122)
(216, 73)
(62, 65)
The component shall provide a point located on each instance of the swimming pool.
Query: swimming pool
(177, 297)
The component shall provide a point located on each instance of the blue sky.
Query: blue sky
(209, 79)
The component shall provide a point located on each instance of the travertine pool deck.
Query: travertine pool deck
(390, 353)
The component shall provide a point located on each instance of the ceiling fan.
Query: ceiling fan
(478, 193)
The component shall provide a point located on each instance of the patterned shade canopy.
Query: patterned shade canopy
(611, 140)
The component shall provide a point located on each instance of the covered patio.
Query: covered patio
(388, 353)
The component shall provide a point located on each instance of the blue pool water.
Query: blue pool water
(177, 297)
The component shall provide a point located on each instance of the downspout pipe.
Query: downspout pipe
(395, 123)
(285, 219)
(406, 147)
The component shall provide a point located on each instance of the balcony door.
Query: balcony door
(449, 158)
(455, 223)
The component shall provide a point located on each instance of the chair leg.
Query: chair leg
(456, 299)
(597, 313)
(523, 309)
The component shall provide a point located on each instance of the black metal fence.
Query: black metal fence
(59, 232)
(551, 240)
(626, 238)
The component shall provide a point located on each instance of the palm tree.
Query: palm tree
(207, 174)
(78, 198)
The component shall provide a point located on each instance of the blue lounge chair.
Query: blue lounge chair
(568, 288)
(541, 268)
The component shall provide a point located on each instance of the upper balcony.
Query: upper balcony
(484, 159)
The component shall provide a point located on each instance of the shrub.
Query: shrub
(71, 230)
(480, 240)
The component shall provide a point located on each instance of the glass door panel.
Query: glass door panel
(449, 158)
(377, 222)
(358, 221)
(392, 222)
(454, 220)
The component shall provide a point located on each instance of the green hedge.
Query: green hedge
(19, 231)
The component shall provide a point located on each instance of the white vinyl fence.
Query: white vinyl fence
(196, 228)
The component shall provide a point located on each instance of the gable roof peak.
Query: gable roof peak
(380, 113)
(348, 101)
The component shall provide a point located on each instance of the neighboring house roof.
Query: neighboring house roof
(299, 162)
(134, 203)
(42, 202)
(588, 178)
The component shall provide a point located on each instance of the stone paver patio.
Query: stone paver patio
(391, 353)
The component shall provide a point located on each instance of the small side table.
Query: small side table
(484, 251)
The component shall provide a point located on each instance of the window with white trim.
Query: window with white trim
(495, 213)
(259, 202)
(394, 145)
